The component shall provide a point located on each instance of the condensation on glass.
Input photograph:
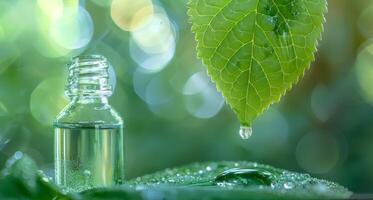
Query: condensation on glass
(88, 132)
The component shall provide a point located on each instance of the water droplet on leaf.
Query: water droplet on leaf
(87, 176)
(319, 187)
(245, 132)
(243, 177)
(289, 185)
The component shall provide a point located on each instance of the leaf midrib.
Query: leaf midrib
(251, 64)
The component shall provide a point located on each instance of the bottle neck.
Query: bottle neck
(90, 100)
(88, 80)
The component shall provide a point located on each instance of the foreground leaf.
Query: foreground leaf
(246, 182)
(255, 50)
(214, 180)
(21, 180)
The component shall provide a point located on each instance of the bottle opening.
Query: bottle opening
(88, 76)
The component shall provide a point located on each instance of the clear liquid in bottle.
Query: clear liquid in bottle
(88, 156)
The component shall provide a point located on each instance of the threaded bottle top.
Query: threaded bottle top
(88, 76)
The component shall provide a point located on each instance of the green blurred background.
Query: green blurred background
(173, 114)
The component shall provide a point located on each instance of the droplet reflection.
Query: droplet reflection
(243, 177)
(245, 132)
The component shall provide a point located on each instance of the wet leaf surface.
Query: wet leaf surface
(20, 179)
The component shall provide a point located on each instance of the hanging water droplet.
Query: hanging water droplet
(245, 132)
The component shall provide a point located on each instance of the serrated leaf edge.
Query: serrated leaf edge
(193, 27)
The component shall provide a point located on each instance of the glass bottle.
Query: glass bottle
(88, 132)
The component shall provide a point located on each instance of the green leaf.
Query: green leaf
(236, 180)
(222, 180)
(20, 179)
(255, 50)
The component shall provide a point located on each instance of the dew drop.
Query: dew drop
(245, 132)
(289, 185)
(87, 176)
(243, 177)
(87, 173)
(319, 187)
(18, 155)
(45, 179)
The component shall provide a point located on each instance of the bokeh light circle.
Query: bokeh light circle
(152, 63)
(158, 91)
(47, 100)
(156, 35)
(129, 14)
(72, 30)
(365, 22)
(48, 48)
(196, 83)
(162, 100)
(322, 102)
(152, 45)
(364, 71)
(140, 80)
(317, 152)
(51, 8)
(202, 100)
